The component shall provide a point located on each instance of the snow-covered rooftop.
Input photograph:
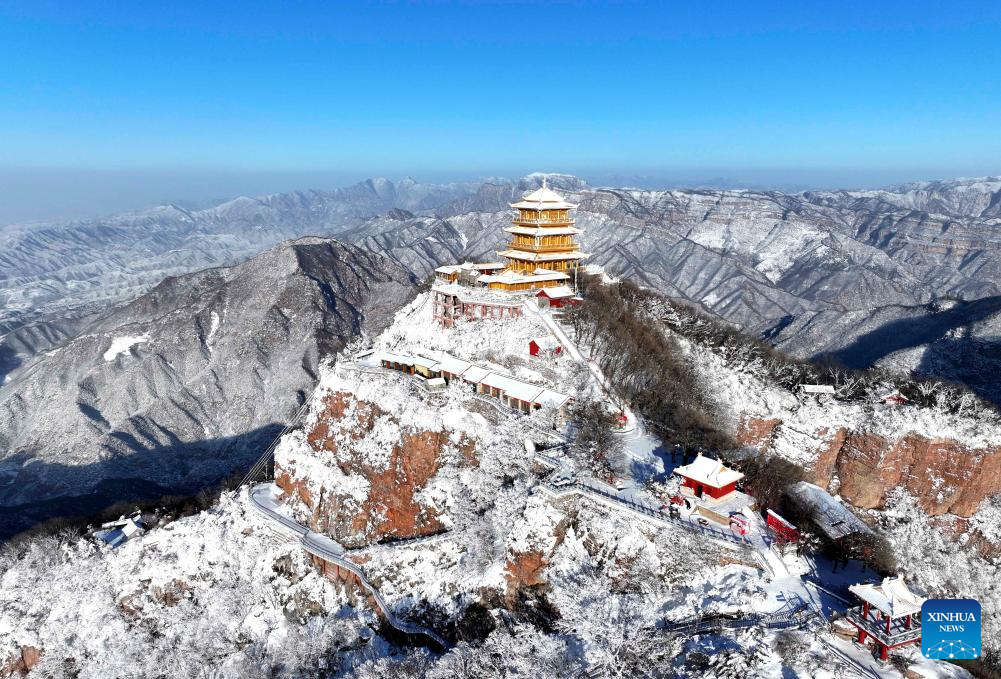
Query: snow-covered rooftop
(543, 198)
(475, 374)
(544, 230)
(471, 294)
(394, 358)
(558, 292)
(542, 256)
(455, 366)
(511, 386)
(892, 597)
(554, 399)
(546, 342)
(826, 511)
(817, 388)
(708, 471)
(428, 363)
(470, 266)
(539, 276)
(515, 388)
(403, 359)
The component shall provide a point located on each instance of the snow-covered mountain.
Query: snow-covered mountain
(50, 267)
(856, 274)
(812, 273)
(183, 385)
(462, 527)
(960, 198)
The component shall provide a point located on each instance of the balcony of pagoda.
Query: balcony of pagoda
(542, 221)
(550, 247)
(888, 632)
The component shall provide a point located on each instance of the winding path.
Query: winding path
(262, 498)
(570, 482)
(564, 481)
(793, 616)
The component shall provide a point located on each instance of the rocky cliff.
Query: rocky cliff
(378, 460)
(944, 474)
(395, 463)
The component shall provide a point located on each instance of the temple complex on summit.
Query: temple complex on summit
(542, 253)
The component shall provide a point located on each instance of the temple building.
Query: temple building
(543, 251)
(708, 479)
(542, 254)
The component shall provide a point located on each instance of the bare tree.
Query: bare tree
(594, 440)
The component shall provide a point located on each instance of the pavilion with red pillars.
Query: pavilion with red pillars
(890, 615)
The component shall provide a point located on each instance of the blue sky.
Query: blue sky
(832, 93)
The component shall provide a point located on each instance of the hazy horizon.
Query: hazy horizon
(38, 195)
(110, 107)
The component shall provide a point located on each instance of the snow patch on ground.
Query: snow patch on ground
(742, 391)
(213, 328)
(123, 345)
(537, 532)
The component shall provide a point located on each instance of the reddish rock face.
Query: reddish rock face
(21, 663)
(525, 570)
(757, 432)
(391, 508)
(825, 466)
(944, 475)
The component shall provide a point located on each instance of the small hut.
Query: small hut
(707, 478)
(557, 297)
(544, 346)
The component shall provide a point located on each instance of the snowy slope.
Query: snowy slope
(524, 583)
(215, 592)
(185, 384)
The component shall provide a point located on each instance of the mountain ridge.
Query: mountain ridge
(183, 385)
(783, 266)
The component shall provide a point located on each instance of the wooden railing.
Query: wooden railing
(566, 221)
(567, 247)
(877, 628)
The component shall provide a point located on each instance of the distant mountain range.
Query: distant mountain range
(907, 277)
(65, 266)
(128, 353)
(813, 272)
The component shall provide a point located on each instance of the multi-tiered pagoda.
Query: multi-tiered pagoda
(542, 255)
(543, 250)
